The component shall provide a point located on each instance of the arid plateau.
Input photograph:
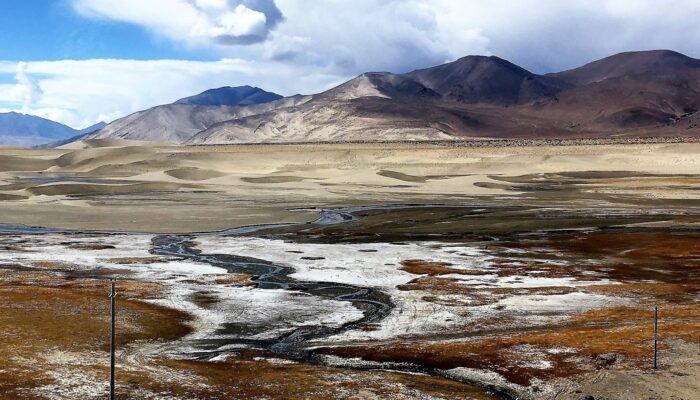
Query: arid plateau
(440, 270)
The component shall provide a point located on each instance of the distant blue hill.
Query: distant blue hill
(79, 136)
(231, 96)
(28, 130)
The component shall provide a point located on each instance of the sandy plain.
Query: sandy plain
(513, 272)
(94, 185)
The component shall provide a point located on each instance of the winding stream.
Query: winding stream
(374, 304)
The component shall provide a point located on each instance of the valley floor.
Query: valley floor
(95, 185)
(393, 271)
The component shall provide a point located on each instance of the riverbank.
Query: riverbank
(530, 314)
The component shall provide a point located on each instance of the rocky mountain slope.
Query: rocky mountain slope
(179, 121)
(477, 79)
(650, 93)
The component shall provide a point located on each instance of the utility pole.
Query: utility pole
(656, 330)
(112, 341)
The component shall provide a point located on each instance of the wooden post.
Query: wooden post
(112, 341)
(656, 330)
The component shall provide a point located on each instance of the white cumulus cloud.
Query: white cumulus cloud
(82, 92)
(399, 35)
(27, 91)
(193, 22)
(240, 22)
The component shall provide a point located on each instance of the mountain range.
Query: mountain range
(632, 94)
(180, 121)
(241, 96)
(172, 122)
(28, 130)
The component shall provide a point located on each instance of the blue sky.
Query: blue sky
(82, 61)
(40, 30)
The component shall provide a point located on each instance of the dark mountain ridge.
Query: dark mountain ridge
(231, 96)
(480, 79)
(633, 63)
(649, 93)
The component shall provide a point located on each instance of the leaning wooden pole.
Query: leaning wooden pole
(112, 341)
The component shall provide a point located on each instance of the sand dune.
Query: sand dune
(12, 163)
(77, 189)
(95, 143)
(273, 179)
(194, 174)
(189, 188)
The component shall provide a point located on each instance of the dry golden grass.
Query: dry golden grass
(651, 268)
(54, 265)
(18, 278)
(641, 245)
(504, 354)
(205, 300)
(667, 312)
(69, 316)
(436, 285)
(134, 260)
(546, 290)
(235, 280)
(431, 268)
(45, 315)
(648, 290)
(242, 377)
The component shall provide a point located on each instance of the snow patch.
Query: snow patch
(375, 265)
